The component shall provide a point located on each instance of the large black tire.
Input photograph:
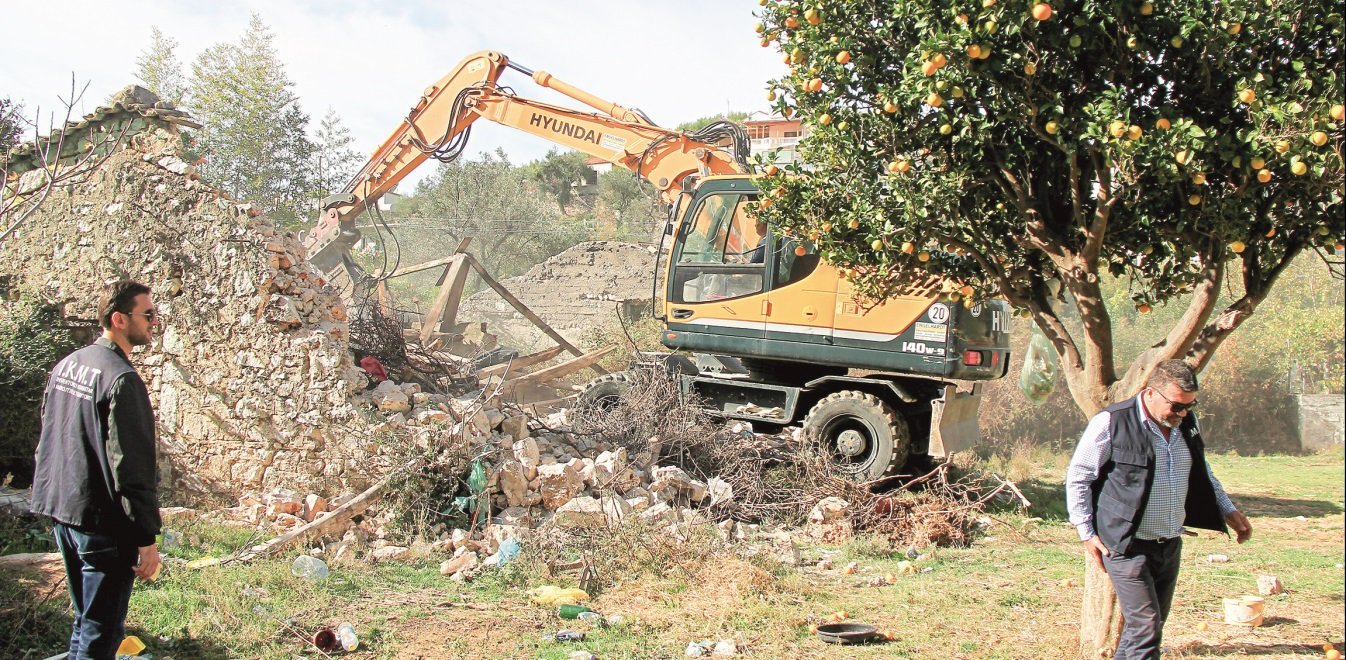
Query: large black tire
(867, 439)
(603, 393)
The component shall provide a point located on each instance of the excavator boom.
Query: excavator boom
(438, 124)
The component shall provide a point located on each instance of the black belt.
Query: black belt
(1159, 541)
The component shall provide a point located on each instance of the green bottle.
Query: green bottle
(571, 611)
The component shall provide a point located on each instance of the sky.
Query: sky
(369, 61)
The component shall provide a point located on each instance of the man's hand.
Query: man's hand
(149, 562)
(1096, 550)
(1239, 523)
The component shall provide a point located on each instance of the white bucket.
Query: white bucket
(1245, 611)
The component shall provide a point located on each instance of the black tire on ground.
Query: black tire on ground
(867, 439)
(603, 393)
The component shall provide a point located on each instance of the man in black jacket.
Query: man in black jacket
(1138, 476)
(96, 476)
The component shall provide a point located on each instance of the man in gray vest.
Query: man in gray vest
(96, 476)
(1138, 476)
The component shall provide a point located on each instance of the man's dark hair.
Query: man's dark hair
(1173, 372)
(119, 296)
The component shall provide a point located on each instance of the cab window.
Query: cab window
(719, 245)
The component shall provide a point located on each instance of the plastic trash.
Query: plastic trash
(346, 636)
(615, 620)
(571, 611)
(131, 645)
(171, 539)
(309, 567)
(592, 618)
(1217, 559)
(554, 595)
(1041, 367)
(509, 549)
(564, 636)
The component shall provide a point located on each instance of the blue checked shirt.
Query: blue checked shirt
(1164, 512)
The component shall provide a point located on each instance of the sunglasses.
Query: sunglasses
(149, 314)
(1175, 406)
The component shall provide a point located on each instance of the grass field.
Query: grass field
(1013, 594)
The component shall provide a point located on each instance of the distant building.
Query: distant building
(773, 133)
(388, 201)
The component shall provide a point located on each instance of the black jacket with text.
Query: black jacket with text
(96, 464)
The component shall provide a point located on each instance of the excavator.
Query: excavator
(760, 328)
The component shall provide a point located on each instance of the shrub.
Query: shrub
(33, 338)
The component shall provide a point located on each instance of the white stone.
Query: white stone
(581, 512)
(391, 552)
(458, 564)
(559, 483)
(512, 482)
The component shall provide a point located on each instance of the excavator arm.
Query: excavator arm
(438, 125)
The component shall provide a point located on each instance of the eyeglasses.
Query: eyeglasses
(149, 314)
(1175, 406)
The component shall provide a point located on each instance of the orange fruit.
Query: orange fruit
(1282, 146)
(876, 245)
(1042, 11)
(900, 165)
(934, 100)
(1143, 308)
(800, 251)
(1247, 95)
(827, 226)
(1235, 28)
(1264, 175)
(1318, 138)
(853, 224)
(974, 51)
(1182, 157)
(890, 107)
(1051, 128)
(1117, 128)
(772, 170)
(1199, 178)
(1333, 655)
(923, 256)
(940, 60)
(1338, 111)
(929, 68)
(1030, 68)
(908, 247)
(843, 57)
(1271, 232)
(1299, 168)
(813, 17)
(791, 22)
(1163, 124)
(1237, 247)
(945, 129)
(1134, 132)
(1194, 200)
(1146, 9)
(825, 119)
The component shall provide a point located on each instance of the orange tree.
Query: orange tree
(1022, 149)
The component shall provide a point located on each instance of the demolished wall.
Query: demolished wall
(251, 375)
(575, 291)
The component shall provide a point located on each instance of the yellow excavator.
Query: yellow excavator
(761, 328)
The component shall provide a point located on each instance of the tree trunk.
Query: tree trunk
(1100, 620)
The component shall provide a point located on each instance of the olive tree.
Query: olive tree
(1023, 149)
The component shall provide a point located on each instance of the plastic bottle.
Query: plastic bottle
(565, 636)
(592, 618)
(571, 611)
(309, 567)
(346, 635)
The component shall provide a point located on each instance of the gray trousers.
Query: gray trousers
(1144, 579)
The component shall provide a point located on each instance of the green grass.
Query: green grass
(1014, 594)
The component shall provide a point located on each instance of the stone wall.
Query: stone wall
(1322, 421)
(251, 374)
(574, 291)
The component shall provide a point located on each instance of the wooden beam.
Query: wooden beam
(528, 313)
(520, 362)
(427, 265)
(443, 313)
(586, 361)
(334, 521)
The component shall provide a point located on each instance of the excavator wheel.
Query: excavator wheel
(866, 437)
(602, 394)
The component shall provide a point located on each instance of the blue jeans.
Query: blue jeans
(98, 569)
